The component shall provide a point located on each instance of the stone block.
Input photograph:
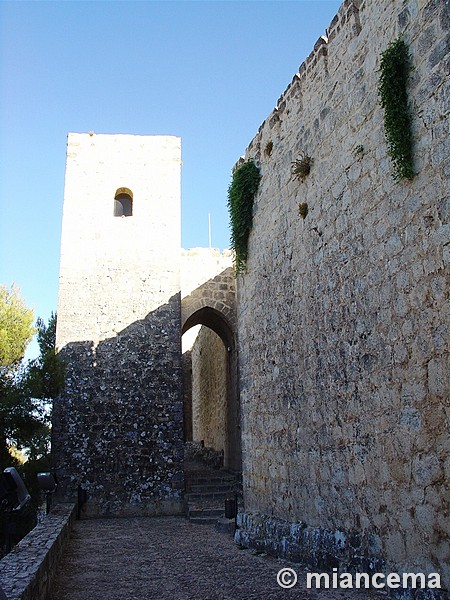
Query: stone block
(438, 377)
(426, 469)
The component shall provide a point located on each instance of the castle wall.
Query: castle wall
(118, 427)
(209, 390)
(342, 315)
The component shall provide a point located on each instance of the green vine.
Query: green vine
(394, 71)
(241, 193)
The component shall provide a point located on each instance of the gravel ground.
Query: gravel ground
(169, 558)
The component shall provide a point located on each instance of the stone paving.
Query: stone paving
(171, 558)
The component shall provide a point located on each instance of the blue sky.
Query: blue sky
(208, 71)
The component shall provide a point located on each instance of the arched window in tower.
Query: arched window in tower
(123, 203)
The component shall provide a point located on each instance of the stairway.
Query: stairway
(206, 492)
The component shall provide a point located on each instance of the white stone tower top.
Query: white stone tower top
(121, 235)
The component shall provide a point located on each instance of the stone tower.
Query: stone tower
(117, 429)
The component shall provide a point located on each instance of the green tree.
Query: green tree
(26, 391)
(16, 332)
(16, 329)
(45, 375)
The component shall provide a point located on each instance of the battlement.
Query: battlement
(326, 56)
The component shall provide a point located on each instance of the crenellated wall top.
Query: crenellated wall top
(346, 24)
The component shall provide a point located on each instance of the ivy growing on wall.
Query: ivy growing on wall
(241, 194)
(394, 71)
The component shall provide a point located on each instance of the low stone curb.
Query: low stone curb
(26, 573)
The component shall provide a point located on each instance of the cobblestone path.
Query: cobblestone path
(169, 558)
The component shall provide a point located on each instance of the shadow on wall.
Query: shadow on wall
(118, 426)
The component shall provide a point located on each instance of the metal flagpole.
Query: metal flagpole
(209, 229)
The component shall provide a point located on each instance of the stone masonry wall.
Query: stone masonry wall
(29, 570)
(118, 426)
(209, 390)
(342, 315)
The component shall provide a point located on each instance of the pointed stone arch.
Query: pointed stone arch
(213, 301)
(213, 304)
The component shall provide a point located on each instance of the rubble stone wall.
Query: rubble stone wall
(342, 315)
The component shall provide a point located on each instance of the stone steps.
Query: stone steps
(210, 487)
(206, 492)
(208, 478)
(211, 482)
(205, 512)
(219, 497)
(205, 516)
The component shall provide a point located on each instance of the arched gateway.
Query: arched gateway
(212, 304)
